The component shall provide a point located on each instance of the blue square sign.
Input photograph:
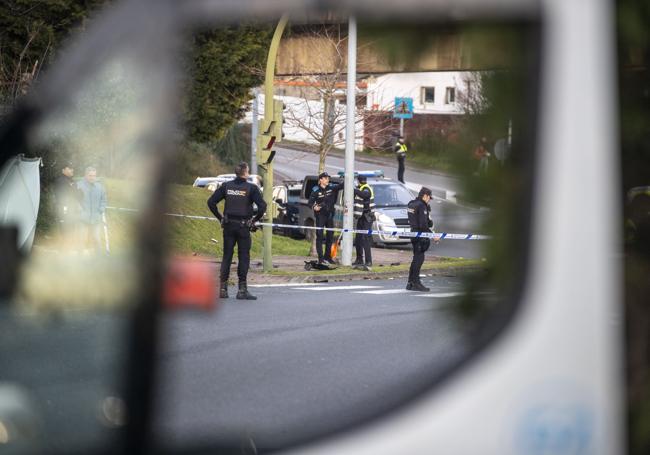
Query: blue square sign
(403, 108)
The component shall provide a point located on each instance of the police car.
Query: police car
(212, 183)
(391, 200)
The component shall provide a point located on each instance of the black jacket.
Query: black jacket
(239, 196)
(325, 197)
(418, 213)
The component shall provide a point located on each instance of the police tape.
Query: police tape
(393, 233)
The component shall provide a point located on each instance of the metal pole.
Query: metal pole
(254, 131)
(267, 261)
(401, 127)
(349, 141)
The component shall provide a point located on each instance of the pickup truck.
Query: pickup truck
(305, 212)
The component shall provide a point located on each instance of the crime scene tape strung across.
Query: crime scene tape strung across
(394, 233)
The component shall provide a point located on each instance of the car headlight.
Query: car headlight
(385, 219)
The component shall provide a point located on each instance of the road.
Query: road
(302, 360)
(448, 216)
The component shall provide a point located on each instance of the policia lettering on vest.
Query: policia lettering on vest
(419, 221)
(237, 222)
(322, 200)
(364, 206)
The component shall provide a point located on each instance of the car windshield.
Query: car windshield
(392, 195)
(294, 195)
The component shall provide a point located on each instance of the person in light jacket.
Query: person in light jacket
(93, 206)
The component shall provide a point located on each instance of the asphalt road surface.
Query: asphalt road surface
(302, 360)
(448, 216)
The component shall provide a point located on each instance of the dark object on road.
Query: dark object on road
(315, 265)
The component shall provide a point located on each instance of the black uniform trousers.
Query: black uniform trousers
(401, 158)
(324, 220)
(420, 246)
(236, 232)
(362, 242)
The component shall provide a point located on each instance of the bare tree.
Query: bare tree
(319, 107)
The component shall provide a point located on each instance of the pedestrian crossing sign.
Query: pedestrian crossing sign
(403, 108)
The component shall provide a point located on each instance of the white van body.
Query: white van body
(552, 382)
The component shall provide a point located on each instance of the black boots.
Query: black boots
(243, 293)
(416, 286)
(223, 291)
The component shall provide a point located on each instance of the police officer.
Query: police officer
(322, 200)
(418, 213)
(364, 205)
(237, 223)
(400, 150)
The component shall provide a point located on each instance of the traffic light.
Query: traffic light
(278, 119)
(265, 153)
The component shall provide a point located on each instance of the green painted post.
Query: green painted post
(265, 132)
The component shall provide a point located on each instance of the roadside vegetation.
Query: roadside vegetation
(190, 237)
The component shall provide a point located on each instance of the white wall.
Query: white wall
(309, 113)
(382, 90)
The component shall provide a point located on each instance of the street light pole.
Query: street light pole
(349, 141)
(254, 130)
(268, 119)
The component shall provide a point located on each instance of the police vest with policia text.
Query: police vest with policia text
(362, 205)
(238, 199)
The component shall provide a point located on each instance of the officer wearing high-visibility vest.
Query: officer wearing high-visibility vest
(322, 200)
(364, 206)
(237, 223)
(418, 214)
(400, 151)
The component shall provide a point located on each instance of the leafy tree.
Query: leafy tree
(31, 32)
(226, 64)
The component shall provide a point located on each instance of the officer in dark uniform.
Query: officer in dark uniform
(418, 213)
(237, 223)
(322, 200)
(364, 205)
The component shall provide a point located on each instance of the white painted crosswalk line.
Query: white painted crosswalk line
(282, 285)
(385, 291)
(335, 288)
(441, 295)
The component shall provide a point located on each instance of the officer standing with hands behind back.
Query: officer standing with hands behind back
(418, 213)
(237, 223)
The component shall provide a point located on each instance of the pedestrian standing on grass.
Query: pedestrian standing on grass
(93, 207)
(68, 206)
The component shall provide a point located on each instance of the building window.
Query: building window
(450, 95)
(428, 95)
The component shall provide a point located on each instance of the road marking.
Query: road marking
(442, 295)
(384, 291)
(335, 288)
(282, 285)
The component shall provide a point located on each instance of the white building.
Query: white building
(432, 92)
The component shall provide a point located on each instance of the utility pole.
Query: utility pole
(254, 130)
(349, 141)
(267, 137)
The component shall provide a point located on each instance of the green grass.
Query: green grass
(186, 236)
